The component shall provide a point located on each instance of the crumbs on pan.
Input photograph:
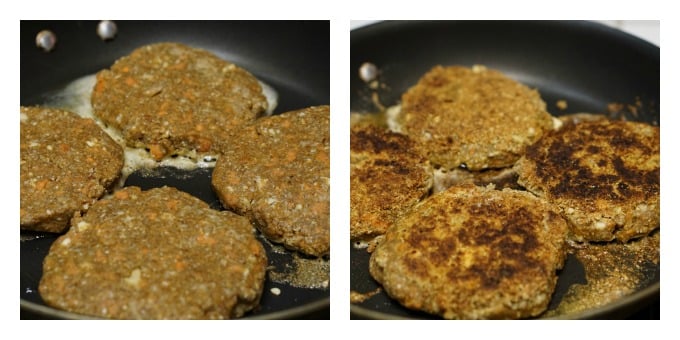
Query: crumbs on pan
(561, 104)
(304, 272)
(368, 244)
(356, 297)
(613, 270)
(633, 111)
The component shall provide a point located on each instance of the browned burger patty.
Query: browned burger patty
(473, 253)
(171, 98)
(276, 171)
(157, 254)
(67, 163)
(604, 176)
(473, 117)
(388, 175)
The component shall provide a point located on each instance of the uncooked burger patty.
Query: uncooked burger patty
(474, 118)
(67, 163)
(388, 175)
(157, 254)
(474, 253)
(171, 98)
(276, 171)
(604, 176)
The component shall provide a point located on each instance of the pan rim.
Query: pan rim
(584, 24)
(644, 294)
(50, 312)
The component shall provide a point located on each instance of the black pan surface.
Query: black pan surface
(587, 64)
(291, 56)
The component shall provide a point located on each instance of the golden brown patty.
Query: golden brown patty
(473, 253)
(157, 254)
(388, 175)
(475, 118)
(604, 176)
(276, 171)
(171, 98)
(67, 163)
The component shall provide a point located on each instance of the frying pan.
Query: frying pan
(587, 64)
(290, 56)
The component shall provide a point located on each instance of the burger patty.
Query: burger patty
(388, 175)
(474, 118)
(473, 253)
(157, 254)
(603, 175)
(174, 99)
(276, 171)
(67, 163)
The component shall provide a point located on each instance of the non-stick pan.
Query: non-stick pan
(290, 56)
(592, 67)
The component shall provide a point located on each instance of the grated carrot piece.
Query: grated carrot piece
(180, 265)
(99, 88)
(122, 195)
(157, 151)
(178, 66)
(205, 240)
(129, 81)
(322, 157)
(203, 144)
(291, 155)
(320, 207)
(172, 204)
(42, 184)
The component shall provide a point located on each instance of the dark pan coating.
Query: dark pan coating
(276, 171)
(474, 253)
(171, 98)
(473, 117)
(157, 254)
(388, 175)
(67, 163)
(604, 176)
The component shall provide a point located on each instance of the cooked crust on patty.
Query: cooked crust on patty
(473, 117)
(604, 176)
(157, 254)
(473, 253)
(276, 171)
(388, 175)
(67, 163)
(171, 98)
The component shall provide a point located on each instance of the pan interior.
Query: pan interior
(290, 56)
(592, 67)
